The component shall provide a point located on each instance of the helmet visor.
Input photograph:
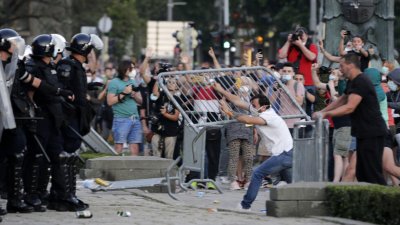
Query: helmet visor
(19, 45)
(59, 43)
(96, 42)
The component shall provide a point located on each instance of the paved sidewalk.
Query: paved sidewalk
(151, 208)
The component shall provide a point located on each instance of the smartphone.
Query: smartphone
(260, 50)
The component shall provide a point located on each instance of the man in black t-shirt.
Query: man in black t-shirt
(368, 126)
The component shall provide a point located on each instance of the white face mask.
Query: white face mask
(89, 79)
(392, 86)
(132, 74)
(385, 70)
(332, 77)
(383, 78)
(153, 97)
(286, 77)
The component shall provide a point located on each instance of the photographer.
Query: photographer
(299, 51)
(124, 96)
(358, 48)
(164, 123)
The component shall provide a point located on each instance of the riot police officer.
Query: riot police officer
(78, 113)
(37, 167)
(13, 140)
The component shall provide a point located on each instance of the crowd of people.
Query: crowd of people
(59, 93)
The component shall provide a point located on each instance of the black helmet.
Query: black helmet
(84, 43)
(5, 34)
(43, 45)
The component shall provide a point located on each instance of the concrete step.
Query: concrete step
(302, 199)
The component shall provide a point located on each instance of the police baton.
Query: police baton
(41, 148)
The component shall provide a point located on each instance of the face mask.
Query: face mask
(392, 86)
(348, 49)
(332, 77)
(286, 77)
(385, 70)
(384, 78)
(132, 74)
(259, 109)
(88, 79)
(153, 97)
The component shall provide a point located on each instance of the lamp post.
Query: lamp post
(170, 7)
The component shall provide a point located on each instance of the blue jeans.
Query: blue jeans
(275, 164)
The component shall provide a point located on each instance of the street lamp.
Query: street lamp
(170, 7)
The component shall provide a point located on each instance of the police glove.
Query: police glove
(64, 93)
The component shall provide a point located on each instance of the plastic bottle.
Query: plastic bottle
(86, 214)
(124, 213)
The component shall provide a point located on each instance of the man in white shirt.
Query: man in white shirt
(272, 128)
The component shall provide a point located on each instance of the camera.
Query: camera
(155, 122)
(164, 67)
(295, 37)
(135, 89)
(324, 70)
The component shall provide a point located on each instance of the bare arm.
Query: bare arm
(283, 53)
(328, 55)
(342, 52)
(352, 103)
(307, 53)
(315, 78)
(342, 100)
(236, 100)
(145, 66)
(214, 58)
(250, 120)
(114, 98)
(173, 117)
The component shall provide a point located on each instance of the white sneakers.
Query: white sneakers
(239, 207)
(235, 186)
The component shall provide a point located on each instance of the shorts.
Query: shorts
(341, 141)
(353, 144)
(127, 130)
(388, 142)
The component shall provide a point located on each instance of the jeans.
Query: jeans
(275, 164)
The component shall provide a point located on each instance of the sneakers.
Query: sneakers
(224, 180)
(281, 183)
(193, 185)
(239, 207)
(211, 186)
(235, 186)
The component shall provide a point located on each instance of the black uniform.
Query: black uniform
(13, 145)
(78, 115)
(48, 137)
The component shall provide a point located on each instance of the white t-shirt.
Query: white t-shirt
(275, 133)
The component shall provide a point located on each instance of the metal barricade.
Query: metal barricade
(198, 104)
(310, 155)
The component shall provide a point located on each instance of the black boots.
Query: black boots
(63, 185)
(14, 182)
(31, 179)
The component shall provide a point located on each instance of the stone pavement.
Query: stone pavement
(159, 208)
